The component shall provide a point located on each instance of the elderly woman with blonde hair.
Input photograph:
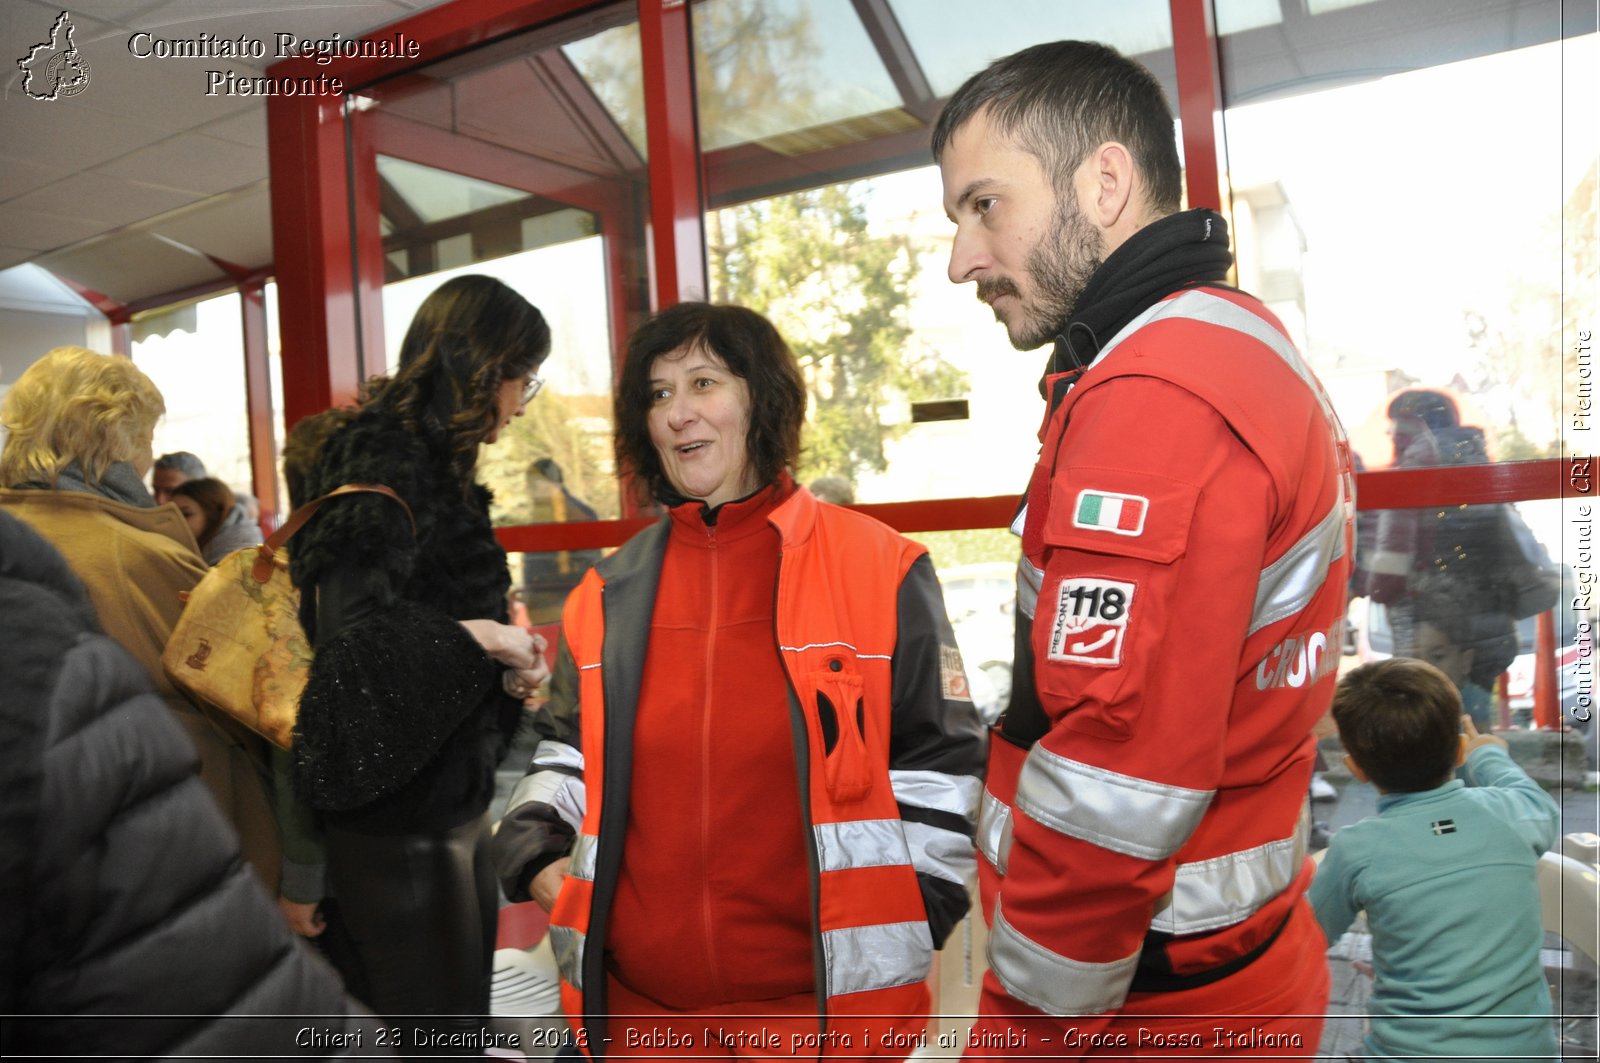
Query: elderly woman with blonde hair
(80, 426)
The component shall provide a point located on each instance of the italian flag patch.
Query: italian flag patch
(1111, 512)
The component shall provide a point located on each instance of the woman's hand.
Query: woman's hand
(512, 646)
(545, 885)
(304, 919)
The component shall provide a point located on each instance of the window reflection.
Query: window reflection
(768, 69)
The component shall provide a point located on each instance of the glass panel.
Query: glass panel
(953, 40)
(609, 62)
(523, 160)
(1435, 333)
(853, 275)
(765, 68)
(434, 195)
(1464, 587)
(200, 372)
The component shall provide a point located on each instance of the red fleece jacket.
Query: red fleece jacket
(712, 904)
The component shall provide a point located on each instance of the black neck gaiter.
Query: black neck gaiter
(1179, 251)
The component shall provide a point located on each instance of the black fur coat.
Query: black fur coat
(403, 719)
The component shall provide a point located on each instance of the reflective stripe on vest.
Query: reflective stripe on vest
(584, 850)
(568, 943)
(1135, 817)
(860, 843)
(862, 958)
(1051, 982)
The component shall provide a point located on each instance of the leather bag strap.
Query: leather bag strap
(261, 569)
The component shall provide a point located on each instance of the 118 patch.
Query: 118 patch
(1091, 621)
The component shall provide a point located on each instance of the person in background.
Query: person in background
(548, 576)
(413, 692)
(753, 802)
(1471, 648)
(1186, 542)
(131, 928)
(835, 489)
(219, 524)
(80, 427)
(1446, 872)
(172, 469)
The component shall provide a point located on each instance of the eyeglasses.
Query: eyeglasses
(532, 388)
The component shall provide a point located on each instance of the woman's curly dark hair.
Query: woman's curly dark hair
(471, 334)
(752, 349)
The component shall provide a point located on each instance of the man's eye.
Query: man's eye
(984, 204)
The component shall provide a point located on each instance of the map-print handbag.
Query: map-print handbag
(238, 644)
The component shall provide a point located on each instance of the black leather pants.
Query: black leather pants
(421, 913)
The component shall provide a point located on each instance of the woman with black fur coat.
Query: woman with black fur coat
(418, 678)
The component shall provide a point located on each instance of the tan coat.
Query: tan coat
(136, 563)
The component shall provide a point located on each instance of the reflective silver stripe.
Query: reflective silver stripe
(553, 754)
(941, 791)
(1029, 581)
(994, 831)
(1288, 584)
(588, 667)
(1132, 816)
(1222, 891)
(1055, 984)
(860, 958)
(939, 852)
(582, 857)
(562, 792)
(567, 944)
(860, 843)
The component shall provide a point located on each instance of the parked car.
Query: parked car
(981, 600)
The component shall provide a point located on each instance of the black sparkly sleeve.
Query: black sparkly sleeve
(385, 691)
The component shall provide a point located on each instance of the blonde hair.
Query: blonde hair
(76, 405)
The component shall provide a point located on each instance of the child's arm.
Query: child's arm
(1489, 766)
(1332, 893)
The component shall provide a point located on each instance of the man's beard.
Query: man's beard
(1059, 266)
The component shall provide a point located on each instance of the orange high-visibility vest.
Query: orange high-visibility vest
(838, 580)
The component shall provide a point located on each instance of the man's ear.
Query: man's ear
(1106, 185)
(1355, 769)
(1461, 751)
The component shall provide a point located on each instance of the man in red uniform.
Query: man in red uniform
(1186, 541)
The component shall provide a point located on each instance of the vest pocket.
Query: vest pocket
(838, 715)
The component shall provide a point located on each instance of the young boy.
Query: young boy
(1450, 982)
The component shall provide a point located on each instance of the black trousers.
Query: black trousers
(420, 913)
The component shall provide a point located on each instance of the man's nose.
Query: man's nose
(967, 256)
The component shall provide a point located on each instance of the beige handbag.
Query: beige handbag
(238, 644)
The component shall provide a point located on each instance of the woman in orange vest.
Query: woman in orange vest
(751, 811)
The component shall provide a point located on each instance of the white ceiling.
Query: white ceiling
(127, 187)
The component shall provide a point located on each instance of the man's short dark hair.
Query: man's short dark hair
(1060, 101)
(183, 461)
(752, 349)
(1400, 720)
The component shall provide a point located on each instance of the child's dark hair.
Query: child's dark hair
(1400, 720)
